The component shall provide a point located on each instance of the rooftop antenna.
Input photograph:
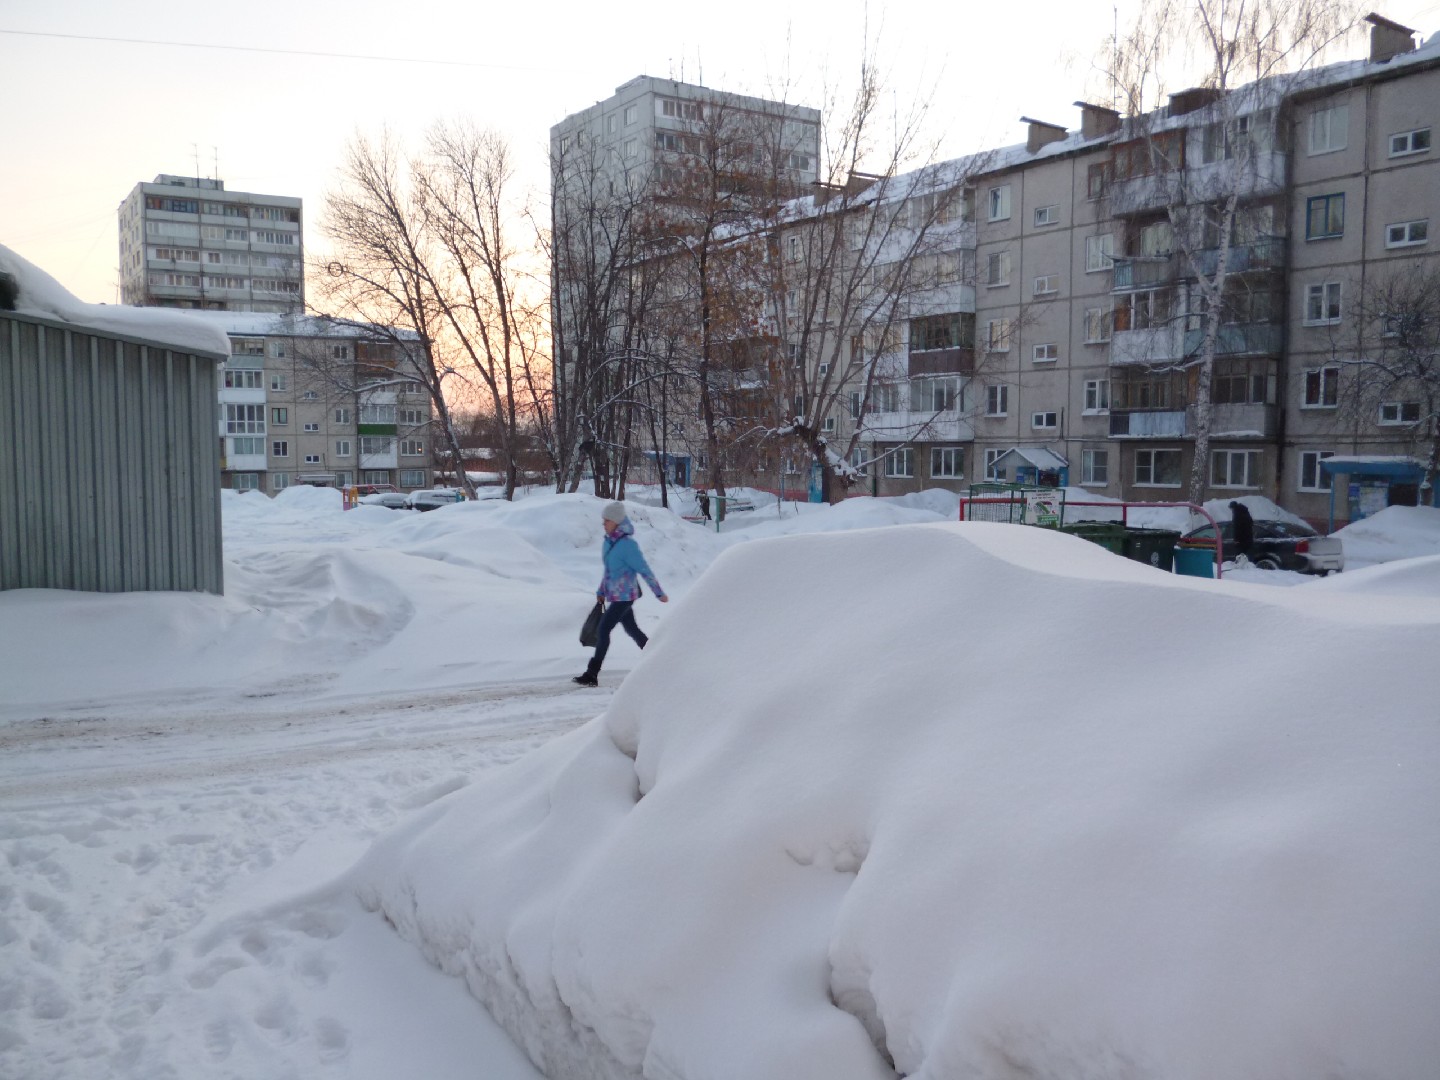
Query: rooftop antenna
(1115, 57)
(216, 174)
(195, 150)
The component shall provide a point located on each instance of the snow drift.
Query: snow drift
(960, 801)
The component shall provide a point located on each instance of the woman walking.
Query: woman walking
(623, 563)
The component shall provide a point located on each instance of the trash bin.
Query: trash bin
(1108, 534)
(1153, 546)
(1195, 560)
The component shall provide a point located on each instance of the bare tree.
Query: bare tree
(423, 244)
(1197, 176)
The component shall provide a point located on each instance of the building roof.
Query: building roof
(275, 324)
(1037, 456)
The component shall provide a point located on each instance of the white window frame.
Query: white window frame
(997, 335)
(1409, 234)
(312, 459)
(998, 202)
(997, 400)
(1312, 466)
(342, 416)
(1402, 143)
(279, 481)
(1097, 397)
(991, 457)
(902, 457)
(1328, 384)
(1101, 319)
(1099, 253)
(342, 448)
(631, 114)
(951, 460)
(280, 448)
(997, 269)
(1330, 295)
(1046, 215)
(1046, 285)
(1089, 459)
(1149, 455)
(1045, 353)
(828, 425)
(309, 427)
(412, 447)
(247, 445)
(1392, 413)
(1047, 420)
(1329, 129)
(1249, 469)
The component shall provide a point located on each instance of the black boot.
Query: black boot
(589, 678)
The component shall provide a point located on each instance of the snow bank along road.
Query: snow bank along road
(167, 899)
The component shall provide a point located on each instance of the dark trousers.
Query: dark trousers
(621, 612)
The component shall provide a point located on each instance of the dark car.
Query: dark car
(1279, 545)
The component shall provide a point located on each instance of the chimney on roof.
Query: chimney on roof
(1187, 101)
(1041, 134)
(1388, 39)
(1097, 120)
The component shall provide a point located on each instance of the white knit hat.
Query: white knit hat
(614, 511)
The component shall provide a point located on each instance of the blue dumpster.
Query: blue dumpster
(1196, 560)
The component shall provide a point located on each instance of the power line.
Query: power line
(277, 52)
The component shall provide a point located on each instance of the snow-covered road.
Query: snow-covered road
(169, 897)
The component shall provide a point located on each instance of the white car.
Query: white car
(430, 500)
(395, 500)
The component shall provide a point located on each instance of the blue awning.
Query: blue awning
(1405, 467)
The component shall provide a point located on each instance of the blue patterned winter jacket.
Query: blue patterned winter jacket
(623, 561)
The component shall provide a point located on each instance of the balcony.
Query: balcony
(1144, 271)
(1169, 424)
(1142, 193)
(1257, 174)
(1267, 253)
(905, 426)
(958, 361)
(1239, 339)
(1159, 344)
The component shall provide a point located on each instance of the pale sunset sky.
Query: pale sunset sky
(99, 96)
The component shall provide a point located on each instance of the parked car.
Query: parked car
(1280, 545)
(395, 500)
(437, 497)
(373, 489)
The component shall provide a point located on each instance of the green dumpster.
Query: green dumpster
(1108, 534)
(1195, 560)
(1153, 546)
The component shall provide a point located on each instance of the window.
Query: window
(1311, 476)
(245, 481)
(997, 335)
(1097, 395)
(1410, 142)
(860, 459)
(1044, 421)
(1097, 326)
(1322, 388)
(1235, 468)
(1047, 353)
(794, 248)
(1095, 467)
(278, 382)
(1322, 304)
(632, 148)
(611, 122)
(630, 113)
(900, 462)
(1097, 180)
(1407, 233)
(340, 352)
(855, 404)
(245, 419)
(412, 447)
(342, 416)
(1399, 412)
(279, 481)
(375, 476)
(243, 380)
(998, 201)
(280, 448)
(997, 400)
(342, 447)
(377, 414)
(1329, 128)
(1157, 239)
(997, 268)
(1046, 215)
(1047, 285)
(247, 444)
(991, 472)
(279, 416)
(412, 417)
(885, 397)
(412, 478)
(1325, 216)
(828, 424)
(1099, 253)
(947, 462)
(375, 444)
(935, 395)
(311, 427)
(950, 331)
(1157, 468)
(312, 459)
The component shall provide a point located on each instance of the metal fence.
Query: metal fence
(109, 462)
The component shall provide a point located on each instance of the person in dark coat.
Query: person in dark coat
(702, 499)
(620, 586)
(1242, 527)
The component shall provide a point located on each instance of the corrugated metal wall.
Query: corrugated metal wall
(109, 462)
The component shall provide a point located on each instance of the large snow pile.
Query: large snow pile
(1397, 532)
(41, 295)
(963, 800)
